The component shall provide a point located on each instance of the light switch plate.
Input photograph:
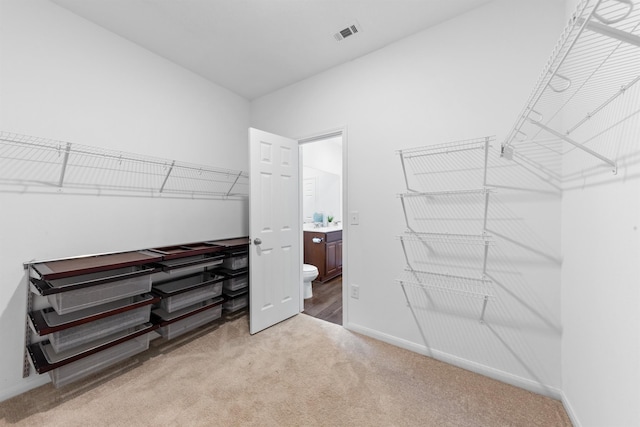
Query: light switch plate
(355, 291)
(354, 218)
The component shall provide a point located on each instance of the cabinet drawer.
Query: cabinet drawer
(334, 236)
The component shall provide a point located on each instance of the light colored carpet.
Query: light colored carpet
(301, 372)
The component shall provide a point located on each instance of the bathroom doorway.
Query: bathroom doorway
(322, 207)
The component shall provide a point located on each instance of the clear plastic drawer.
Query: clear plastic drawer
(79, 335)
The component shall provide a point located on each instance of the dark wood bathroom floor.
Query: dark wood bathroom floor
(326, 303)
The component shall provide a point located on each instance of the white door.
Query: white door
(274, 229)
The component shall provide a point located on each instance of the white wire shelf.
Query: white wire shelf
(29, 161)
(456, 239)
(584, 94)
(457, 165)
(482, 191)
(446, 148)
(457, 255)
(460, 285)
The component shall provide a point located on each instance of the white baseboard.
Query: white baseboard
(569, 409)
(469, 365)
(23, 386)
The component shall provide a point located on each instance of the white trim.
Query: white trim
(570, 412)
(24, 386)
(496, 374)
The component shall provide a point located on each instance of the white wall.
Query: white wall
(465, 78)
(601, 273)
(64, 78)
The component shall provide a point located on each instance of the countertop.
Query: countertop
(311, 227)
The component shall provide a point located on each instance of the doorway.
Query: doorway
(322, 208)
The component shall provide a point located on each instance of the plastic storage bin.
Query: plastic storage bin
(175, 329)
(185, 299)
(78, 335)
(96, 362)
(236, 304)
(182, 265)
(236, 262)
(91, 296)
(236, 283)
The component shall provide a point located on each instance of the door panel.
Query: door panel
(274, 218)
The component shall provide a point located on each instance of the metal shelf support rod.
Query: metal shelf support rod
(577, 145)
(404, 173)
(406, 256)
(486, 255)
(234, 183)
(64, 164)
(167, 176)
(486, 160)
(486, 212)
(622, 90)
(404, 210)
(484, 308)
(608, 31)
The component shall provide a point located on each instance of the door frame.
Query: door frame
(318, 136)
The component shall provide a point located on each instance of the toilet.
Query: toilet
(309, 272)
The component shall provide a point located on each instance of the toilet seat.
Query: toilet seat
(308, 268)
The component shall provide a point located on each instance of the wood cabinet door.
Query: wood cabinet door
(339, 254)
(332, 266)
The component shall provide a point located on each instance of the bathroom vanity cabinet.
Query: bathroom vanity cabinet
(99, 310)
(323, 248)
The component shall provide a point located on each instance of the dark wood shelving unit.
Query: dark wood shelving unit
(121, 272)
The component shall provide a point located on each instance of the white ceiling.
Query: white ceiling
(253, 47)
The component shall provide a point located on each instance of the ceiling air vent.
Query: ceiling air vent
(349, 31)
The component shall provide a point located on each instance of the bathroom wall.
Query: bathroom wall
(465, 78)
(322, 165)
(64, 78)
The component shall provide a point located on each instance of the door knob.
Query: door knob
(257, 241)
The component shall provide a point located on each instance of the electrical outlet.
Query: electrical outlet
(355, 291)
(355, 217)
